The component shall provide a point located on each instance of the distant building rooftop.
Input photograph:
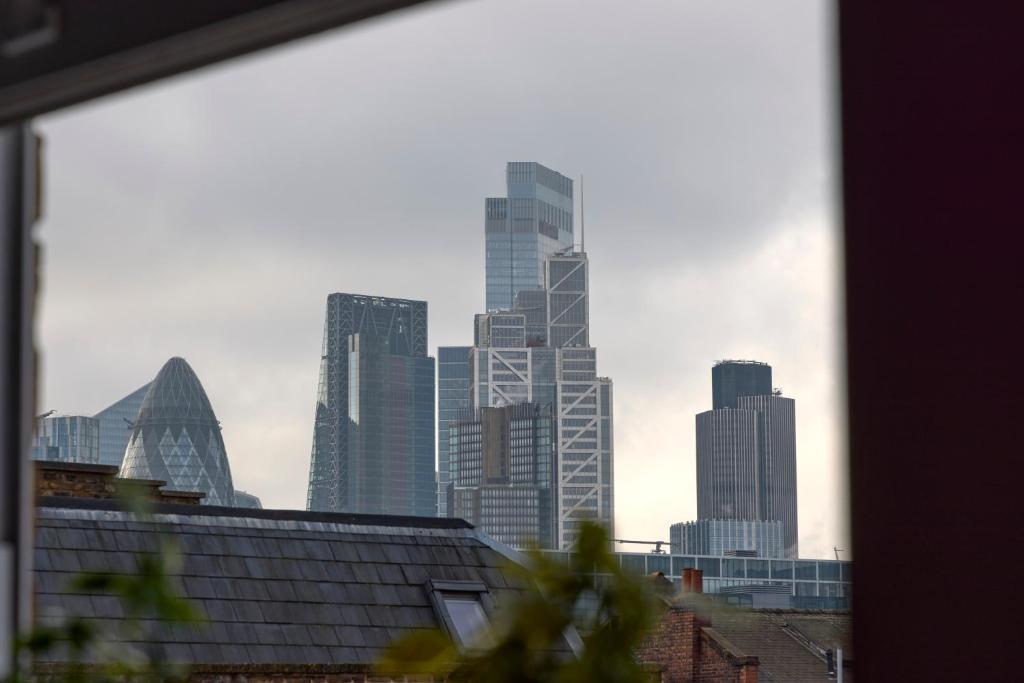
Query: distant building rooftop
(738, 362)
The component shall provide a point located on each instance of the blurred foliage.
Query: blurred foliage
(147, 598)
(527, 640)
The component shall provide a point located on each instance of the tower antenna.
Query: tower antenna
(583, 228)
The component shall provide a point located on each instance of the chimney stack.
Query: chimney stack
(697, 581)
(687, 579)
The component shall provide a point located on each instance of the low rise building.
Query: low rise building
(731, 537)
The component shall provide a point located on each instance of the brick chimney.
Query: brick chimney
(697, 581)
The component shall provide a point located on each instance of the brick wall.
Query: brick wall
(685, 649)
(672, 647)
(80, 480)
(75, 480)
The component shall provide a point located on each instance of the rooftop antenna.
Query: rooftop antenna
(583, 229)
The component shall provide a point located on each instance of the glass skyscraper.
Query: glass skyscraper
(373, 434)
(532, 348)
(116, 424)
(533, 222)
(452, 399)
(176, 438)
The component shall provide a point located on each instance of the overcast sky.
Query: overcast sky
(209, 216)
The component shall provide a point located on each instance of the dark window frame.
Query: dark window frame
(438, 591)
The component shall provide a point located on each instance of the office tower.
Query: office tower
(746, 452)
(504, 473)
(728, 537)
(728, 474)
(534, 221)
(373, 435)
(731, 379)
(247, 500)
(776, 427)
(532, 347)
(545, 359)
(116, 424)
(67, 438)
(452, 398)
(176, 438)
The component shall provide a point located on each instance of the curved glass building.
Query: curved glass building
(176, 438)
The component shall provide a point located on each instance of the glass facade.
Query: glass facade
(116, 424)
(731, 379)
(503, 473)
(176, 438)
(373, 435)
(452, 398)
(67, 438)
(521, 230)
(727, 536)
(391, 430)
(817, 583)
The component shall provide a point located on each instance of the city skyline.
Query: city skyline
(709, 237)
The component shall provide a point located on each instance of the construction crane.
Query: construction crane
(837, 551)
(657, 544)
(46, 414)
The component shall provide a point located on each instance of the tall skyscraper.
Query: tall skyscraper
(563, 380)
(373, 434)
(533, 347)
(505, 473)
(776, 427)
(67, 438)
(746, 451)
(533, 222)
(452, 400)
(176, 437)
(116, 424)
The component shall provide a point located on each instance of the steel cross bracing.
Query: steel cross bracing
(580, 476)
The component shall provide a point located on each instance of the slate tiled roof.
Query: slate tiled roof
(786, 642)
(281, 588)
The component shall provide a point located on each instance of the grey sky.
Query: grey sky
(209, 217)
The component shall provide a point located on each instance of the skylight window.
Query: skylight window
(464, 608)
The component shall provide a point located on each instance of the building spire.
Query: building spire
(583, 229)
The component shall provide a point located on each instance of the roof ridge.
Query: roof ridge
(60, 502)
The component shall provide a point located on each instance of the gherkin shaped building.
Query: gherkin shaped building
(176, 438)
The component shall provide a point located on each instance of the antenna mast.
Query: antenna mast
(583, 229)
